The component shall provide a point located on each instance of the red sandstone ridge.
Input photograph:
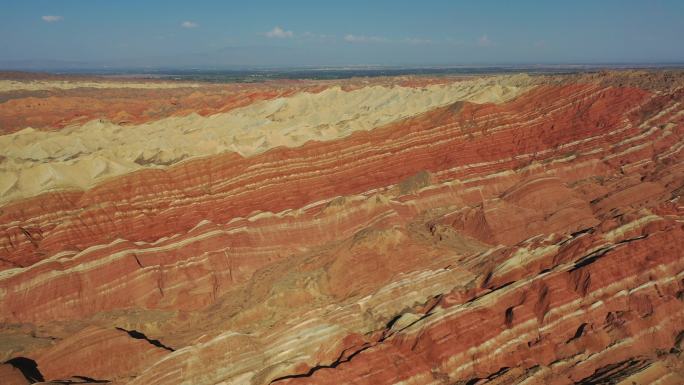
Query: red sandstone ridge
(503, 230)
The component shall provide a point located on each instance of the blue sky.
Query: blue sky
(351, 32)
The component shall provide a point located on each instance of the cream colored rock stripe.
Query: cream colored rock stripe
(80, 156)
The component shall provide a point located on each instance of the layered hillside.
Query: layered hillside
(507, 229)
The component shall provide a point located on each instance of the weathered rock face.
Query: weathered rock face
(501, 230)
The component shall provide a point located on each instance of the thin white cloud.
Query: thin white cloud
(278, 33)
(189, 24)
(364, 39)
(484, 41)
(51, 18)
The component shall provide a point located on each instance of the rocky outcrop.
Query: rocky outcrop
(486, 235)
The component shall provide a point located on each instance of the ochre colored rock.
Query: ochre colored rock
(508, 230)
(111, 354)
(12, 376)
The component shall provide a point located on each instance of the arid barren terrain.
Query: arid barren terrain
(504, 229)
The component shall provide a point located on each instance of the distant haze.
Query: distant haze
(225, 34)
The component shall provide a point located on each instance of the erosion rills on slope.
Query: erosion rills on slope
(530, 325)
(536, 241)
(79, 156)
(359, 348)
(463, 143)
(304, 346)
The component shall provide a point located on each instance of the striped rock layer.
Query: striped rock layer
(497, 230)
